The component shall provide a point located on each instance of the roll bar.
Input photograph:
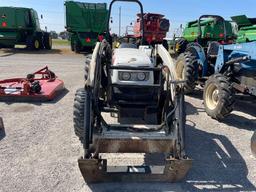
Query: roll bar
(214, 17)
(141, 11)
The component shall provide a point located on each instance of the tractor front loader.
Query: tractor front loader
(139, 86)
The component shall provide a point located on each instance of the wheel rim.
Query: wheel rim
(177, 47)
(180, 70)
(36, 44)
(212, 96)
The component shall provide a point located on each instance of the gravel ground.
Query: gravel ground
(38, 149)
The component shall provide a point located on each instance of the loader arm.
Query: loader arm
(168, 61)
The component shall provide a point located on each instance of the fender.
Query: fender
(198, 50)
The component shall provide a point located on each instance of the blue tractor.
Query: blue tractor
(234, 72)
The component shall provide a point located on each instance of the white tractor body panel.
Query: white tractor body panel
(131, 58)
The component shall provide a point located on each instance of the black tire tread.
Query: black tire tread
(47, 45)
(182, 45)
(190, 61)
(87, 66)
(226, 104)
(78, 113)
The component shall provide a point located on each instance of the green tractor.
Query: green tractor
(206, 29)
(20, 26)
(246, 28)
(198, 48)
(86, 23)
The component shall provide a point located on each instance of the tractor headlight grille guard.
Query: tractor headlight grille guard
(133, 76)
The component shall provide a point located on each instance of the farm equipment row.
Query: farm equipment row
(137, 80)
(209, 57)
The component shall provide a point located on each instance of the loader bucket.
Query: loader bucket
(97, 171)
(156, 164)
(253, 144)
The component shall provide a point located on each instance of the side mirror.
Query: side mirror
(42, 16)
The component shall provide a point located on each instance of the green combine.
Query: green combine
(246, 28)
(206, 29)
(20, 26)
(86, 23)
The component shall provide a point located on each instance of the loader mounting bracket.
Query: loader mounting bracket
(96, 170)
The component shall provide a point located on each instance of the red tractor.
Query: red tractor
(155, 27)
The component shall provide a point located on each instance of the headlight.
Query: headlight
(141, 76)
(126, 76)
(133, 76)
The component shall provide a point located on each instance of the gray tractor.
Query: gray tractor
(138, 85)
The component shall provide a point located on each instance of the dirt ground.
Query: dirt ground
(39, 151)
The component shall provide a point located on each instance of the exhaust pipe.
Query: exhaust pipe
(253, 144)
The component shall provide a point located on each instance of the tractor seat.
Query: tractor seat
(213, 49)
(128, 45)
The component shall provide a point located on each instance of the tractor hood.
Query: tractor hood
(131, 57)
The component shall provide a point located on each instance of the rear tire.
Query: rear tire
(185, 68)
(218, 97)
(34, 43)
(72, 47)
(77, 47)
(47, 41)
(180, 46)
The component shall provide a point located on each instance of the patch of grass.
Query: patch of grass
(60, 42)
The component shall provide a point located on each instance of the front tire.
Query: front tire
(83, 116)
(87, 67)
(218, 97)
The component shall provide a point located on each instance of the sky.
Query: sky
(177, 11)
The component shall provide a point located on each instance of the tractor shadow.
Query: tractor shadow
(2, 129)
(243, 103)
(217, 165)
(2, 133)
(10, 52)
(192, 110)
(246, 105)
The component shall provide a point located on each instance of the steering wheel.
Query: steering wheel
(125, 40)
